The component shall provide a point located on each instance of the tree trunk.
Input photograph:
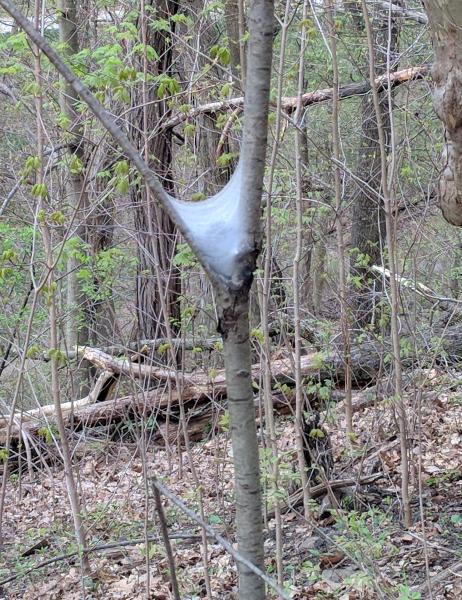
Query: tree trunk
(445, 21)
(232, 29)
(234, 327)
(153, 226)
(77, 331)
(101, 312)
(234, 302)
(368, 217)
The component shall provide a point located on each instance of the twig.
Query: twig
(167, 544)
(226, 129)
(319, 490)
(121, 544)
(220, 539)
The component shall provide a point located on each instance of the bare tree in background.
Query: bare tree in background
(368, 217)
(152, 223)
(77, 330)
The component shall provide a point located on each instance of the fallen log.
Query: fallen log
(124, 366)
(197, 389)
(200, 389)
(100, 391)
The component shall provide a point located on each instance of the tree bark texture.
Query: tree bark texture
(368, 217)
(77, 330)
(232, 29)
(152, 224)
(234, 327)
(445, 21)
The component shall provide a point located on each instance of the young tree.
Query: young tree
(225, 234)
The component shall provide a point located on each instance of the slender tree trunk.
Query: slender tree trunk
(339, 209)
(232, 29)
(50, 286)
(77, 331)
(234, 327)
(387, 186)
(101, 312)
(301, 152)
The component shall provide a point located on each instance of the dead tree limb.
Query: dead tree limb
(124, 366)
(99, 393)
(200, 389)
(289, 104)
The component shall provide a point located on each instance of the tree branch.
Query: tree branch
(289, 103)
(401, 11)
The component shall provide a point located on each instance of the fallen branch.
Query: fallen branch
(289, 104)
(199, 389)
(124, 366)
(99, 548)
(418, 288)
(98, 394)
(320, 490)
(401, 11)
(440, 579)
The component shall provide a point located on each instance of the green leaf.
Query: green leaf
(121, 167)
(160, 25)
(32, 351)
(40, 190)
(151, 53)
(226, 158)
(197, 196)
(58, 217)
(189, 129)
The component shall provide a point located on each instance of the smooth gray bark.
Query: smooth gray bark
(233, 303)
(234, 327)
(445, 21)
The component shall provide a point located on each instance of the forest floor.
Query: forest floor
(360, 550)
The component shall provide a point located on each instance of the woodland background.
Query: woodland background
(106, 311)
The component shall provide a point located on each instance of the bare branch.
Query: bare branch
(220, 539)
(289, 103)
